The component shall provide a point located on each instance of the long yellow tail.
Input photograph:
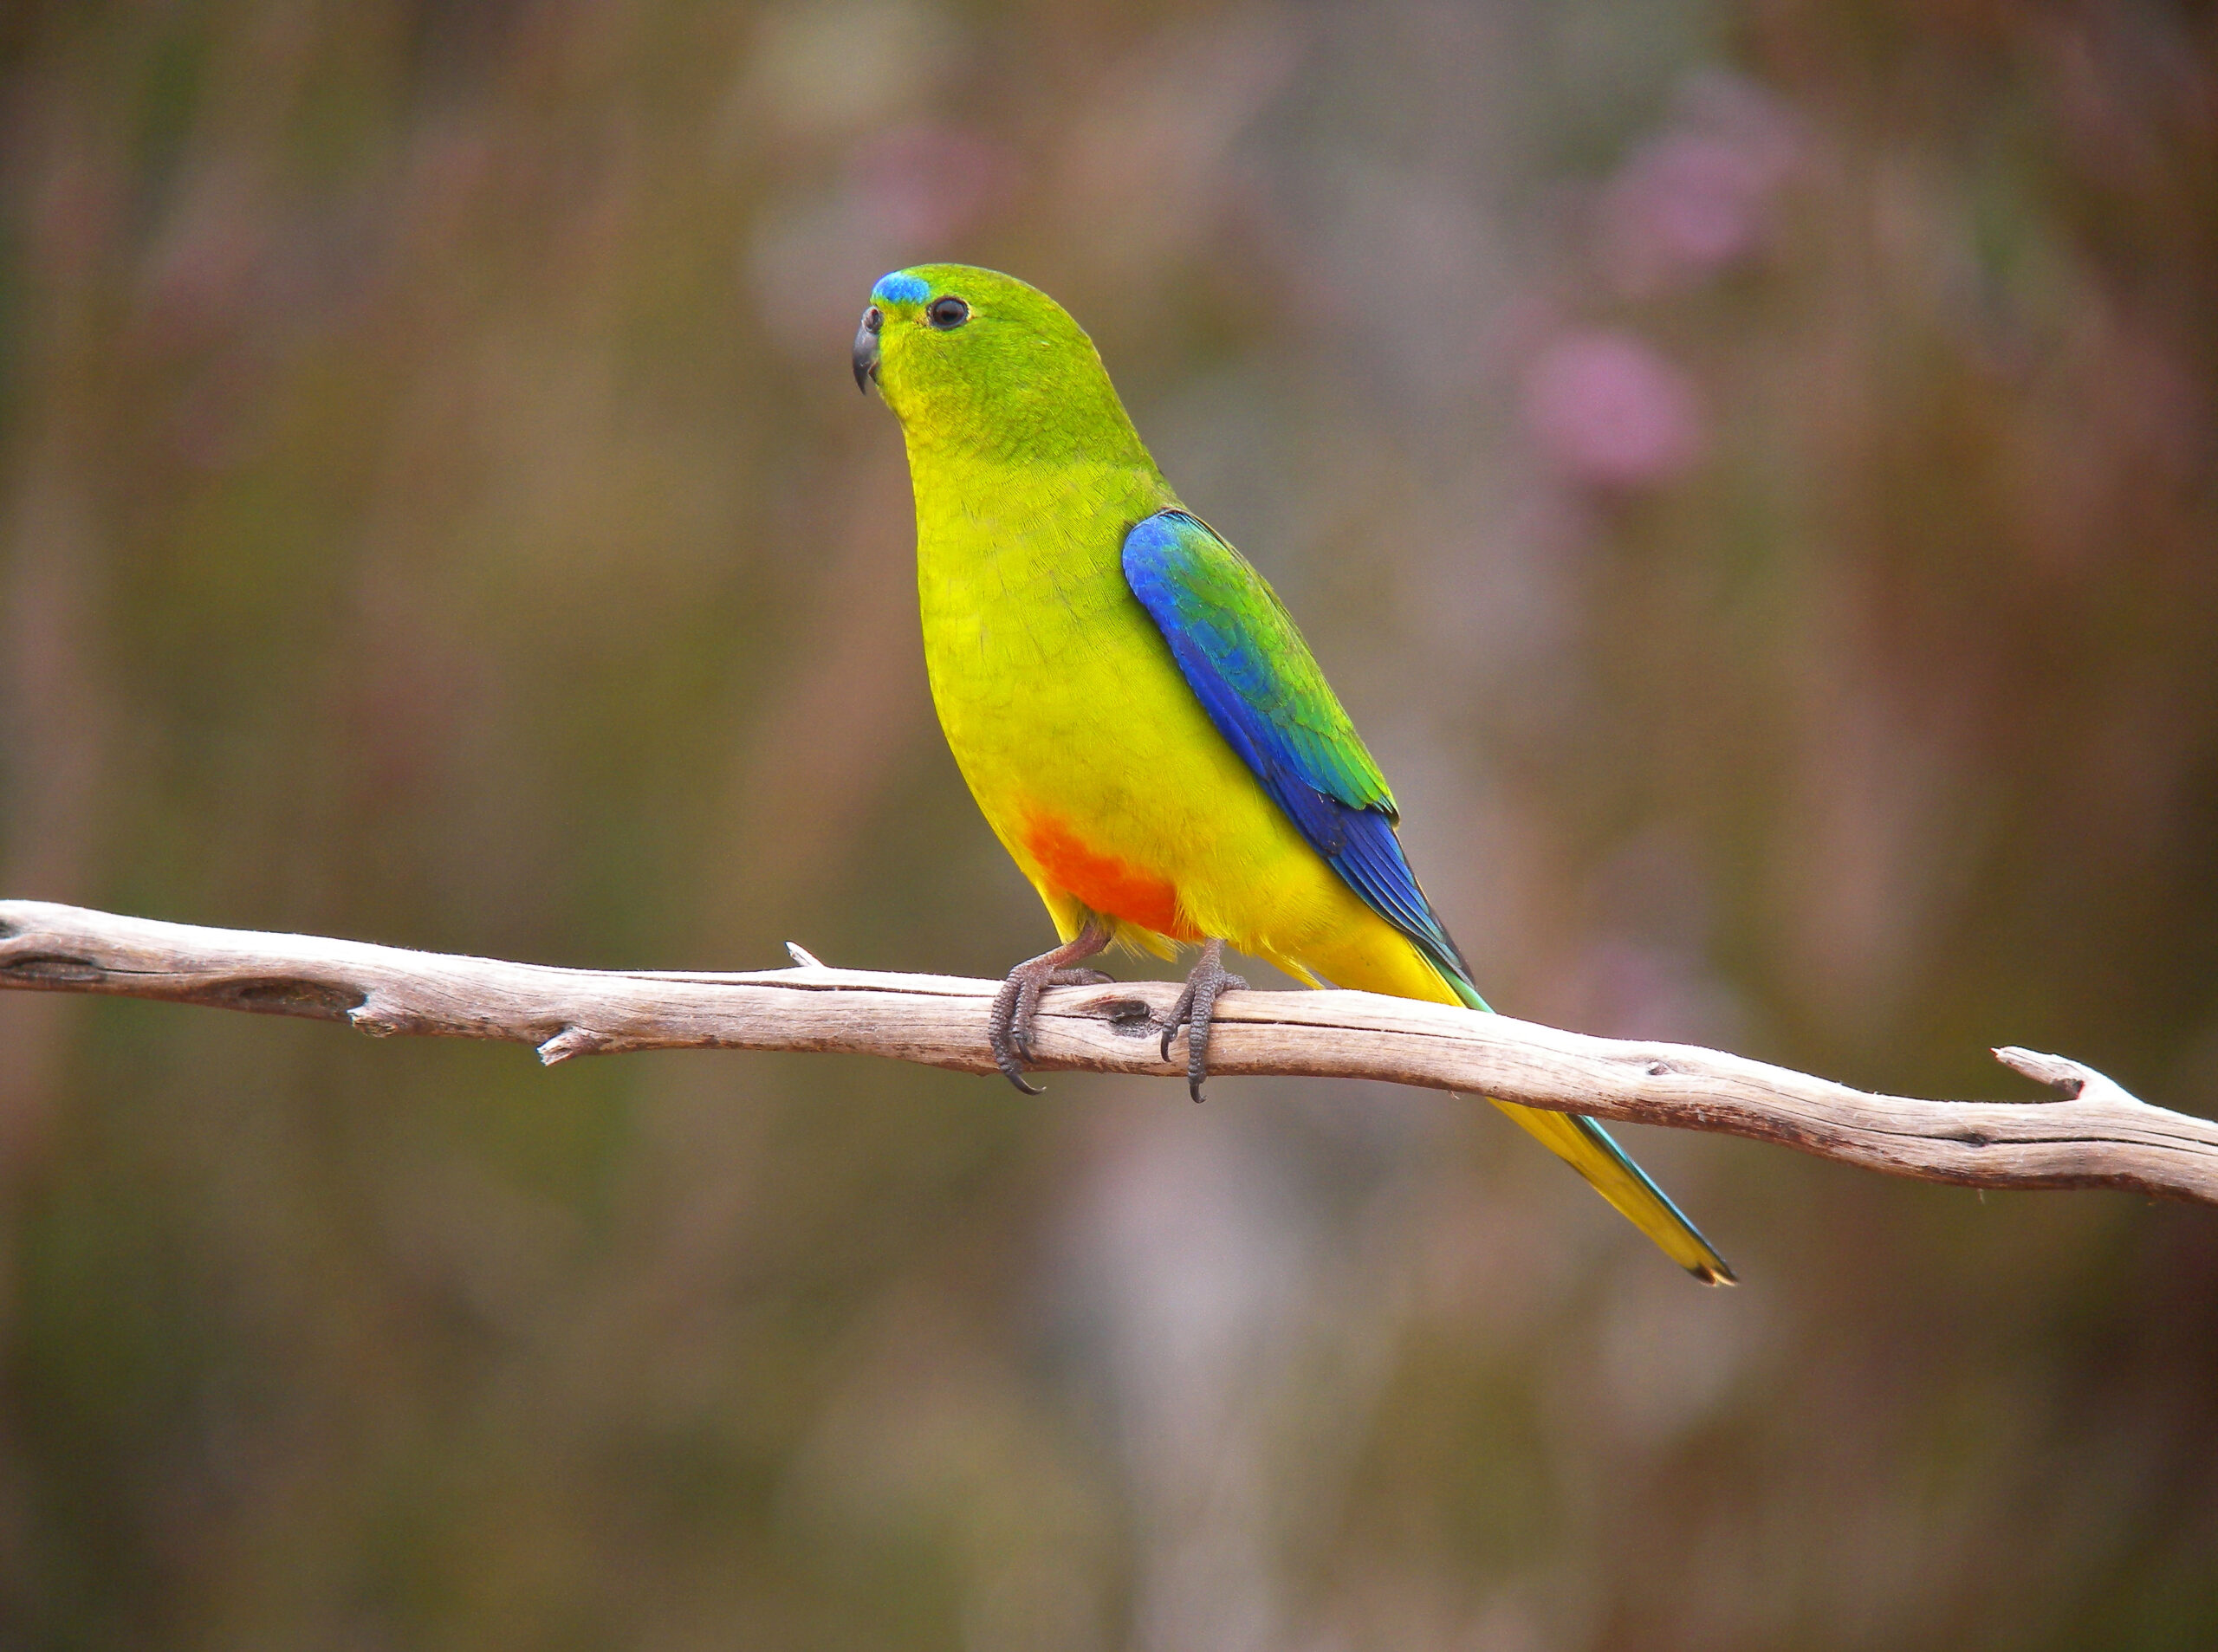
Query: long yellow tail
(1395, 966)
(1583, 1144)
(1588, 1149)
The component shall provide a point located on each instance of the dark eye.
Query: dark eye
(872, 319)
(948, 312)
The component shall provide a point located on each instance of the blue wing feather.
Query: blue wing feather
(1247, 662)
(1239, 651)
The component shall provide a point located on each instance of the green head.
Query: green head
(973, 361)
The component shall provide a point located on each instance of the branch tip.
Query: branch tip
(2066, 1078)
(802, 956)
(2071, 1080)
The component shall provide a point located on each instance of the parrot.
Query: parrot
(1138, 718)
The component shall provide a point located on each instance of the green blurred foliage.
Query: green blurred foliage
(1752, 468)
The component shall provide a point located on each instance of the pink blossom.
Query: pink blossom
(1610, 411)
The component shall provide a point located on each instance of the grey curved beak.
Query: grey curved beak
(866, 357)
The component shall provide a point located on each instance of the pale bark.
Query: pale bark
(2091, 1134)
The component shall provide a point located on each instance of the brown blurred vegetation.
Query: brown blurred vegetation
(1752, 468)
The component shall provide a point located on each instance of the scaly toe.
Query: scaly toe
(1002, 1034)
(1195, 1011)
(1182, 1014)
(1009, 1023)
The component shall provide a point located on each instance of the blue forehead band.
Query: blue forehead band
(899, 287)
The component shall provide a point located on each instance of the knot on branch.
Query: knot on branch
(50, 969)
(289, 996)
(1133, 1017)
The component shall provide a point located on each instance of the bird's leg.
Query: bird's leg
(1009, 1027)
(1196, 1009)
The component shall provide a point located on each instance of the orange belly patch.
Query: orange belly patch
(1106, 884)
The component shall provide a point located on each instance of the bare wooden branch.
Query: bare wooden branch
(2095, 1135)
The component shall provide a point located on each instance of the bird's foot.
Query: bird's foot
(1196, 1009)
(1008, 1025)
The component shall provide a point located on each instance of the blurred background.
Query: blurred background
(1750, 467)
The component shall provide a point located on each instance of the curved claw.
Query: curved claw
(1195, 1011)
(1009, 1024)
